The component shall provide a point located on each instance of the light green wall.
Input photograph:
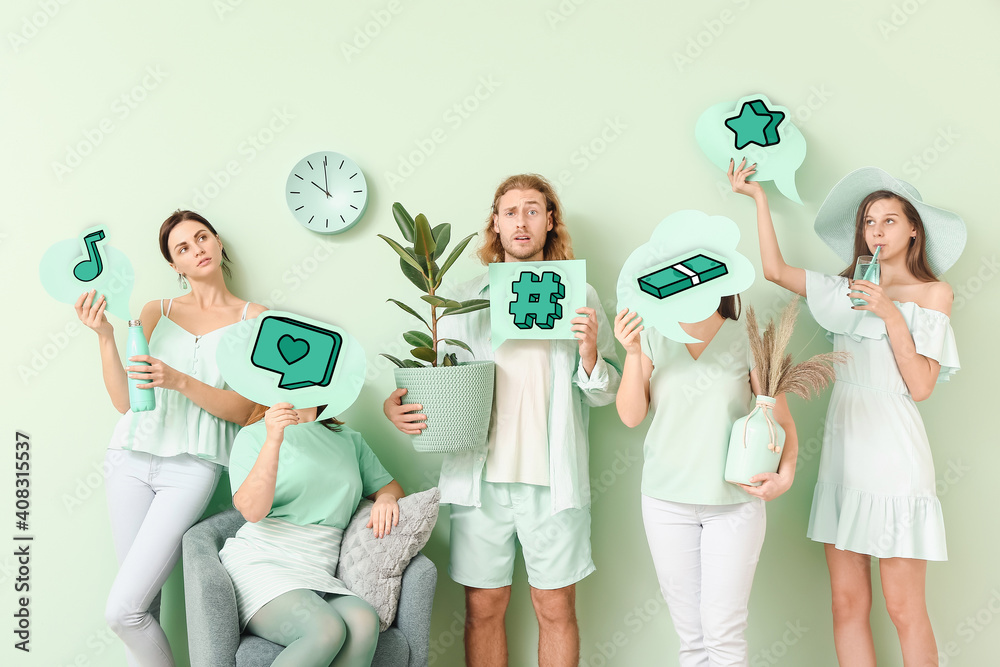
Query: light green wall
(552, 78)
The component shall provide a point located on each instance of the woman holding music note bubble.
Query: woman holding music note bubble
(875, 493)
(163, 464)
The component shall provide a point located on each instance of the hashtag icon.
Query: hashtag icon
(22, 525)
(537, 302)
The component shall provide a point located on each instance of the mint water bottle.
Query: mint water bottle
(140, 400)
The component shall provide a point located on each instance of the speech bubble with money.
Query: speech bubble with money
(683, 271)
(536, 300)
(281, 356)
(760, 131)
(74, 266)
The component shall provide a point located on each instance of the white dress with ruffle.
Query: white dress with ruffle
(875, 493)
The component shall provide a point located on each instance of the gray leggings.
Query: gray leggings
(341, 631)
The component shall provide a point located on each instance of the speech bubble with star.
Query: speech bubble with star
(680, 275)
(760, 131)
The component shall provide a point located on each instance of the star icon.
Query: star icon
(755, 124)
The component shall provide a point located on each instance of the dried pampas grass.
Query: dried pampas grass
(774, 368)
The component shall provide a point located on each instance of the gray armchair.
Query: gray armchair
(213, 627)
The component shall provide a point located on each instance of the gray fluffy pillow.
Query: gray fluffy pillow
(373, 568)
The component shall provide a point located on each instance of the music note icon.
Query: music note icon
(92, 266)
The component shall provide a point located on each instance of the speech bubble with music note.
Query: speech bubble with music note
(73, 266)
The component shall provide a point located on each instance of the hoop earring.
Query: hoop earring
(182, 280)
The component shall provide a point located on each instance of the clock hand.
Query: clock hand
(326, 192)
(326, 180)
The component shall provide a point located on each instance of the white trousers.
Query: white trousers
(705, 557)
(152, 500)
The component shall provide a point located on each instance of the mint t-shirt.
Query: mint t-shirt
(695, 404)
(322, 474)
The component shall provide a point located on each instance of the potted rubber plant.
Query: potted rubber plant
(757, 439)
(456, 397)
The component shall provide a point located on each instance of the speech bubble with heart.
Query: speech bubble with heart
(282, 356)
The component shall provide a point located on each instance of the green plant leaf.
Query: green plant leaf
(424, 353)
(403, 221)
(469, 306)
(410, 363)
(414, 276)
(442, 234)
(440, 302)
(418, 339)
(457, 343)
(411, 312)
(423, 238)
(401, 251)
(454, 255)
(401, 364)
(449, 360)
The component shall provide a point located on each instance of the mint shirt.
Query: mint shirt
(322, 474)
(694, 405)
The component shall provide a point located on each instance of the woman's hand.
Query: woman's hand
(874, 298)
(738, 175)
(402, 416)
(773, 485)
(385, 515)
(91, 313)
(278, 417)
(628, 324)
(157, 374)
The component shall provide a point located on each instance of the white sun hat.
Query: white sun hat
(835, 222)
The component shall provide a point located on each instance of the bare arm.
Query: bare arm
(775, 269)
(385, 511)
(255, 496)
(632, 400)
(775, 484)
(222, 403)
(919, 373)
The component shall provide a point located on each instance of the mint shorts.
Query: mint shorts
(556, 547)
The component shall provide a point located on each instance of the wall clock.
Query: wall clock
(327, 192)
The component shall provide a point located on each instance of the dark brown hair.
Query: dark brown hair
(916, 254)
(176, 218)
(558, 244)
(330, 422)
(730, 307)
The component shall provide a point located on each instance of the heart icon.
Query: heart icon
(292, 349)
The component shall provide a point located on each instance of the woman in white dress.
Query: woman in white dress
(875, 493)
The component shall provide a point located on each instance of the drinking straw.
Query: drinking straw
(870, 271)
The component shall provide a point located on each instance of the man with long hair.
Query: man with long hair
(531, 483)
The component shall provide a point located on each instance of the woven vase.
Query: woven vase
(457, 400)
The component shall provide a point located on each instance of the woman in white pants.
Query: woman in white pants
(164, 464)
(704, 533)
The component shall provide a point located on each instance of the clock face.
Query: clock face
(327, 192)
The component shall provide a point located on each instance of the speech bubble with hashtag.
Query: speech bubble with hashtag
(536, 300)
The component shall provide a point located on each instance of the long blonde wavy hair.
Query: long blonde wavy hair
(558, 244)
